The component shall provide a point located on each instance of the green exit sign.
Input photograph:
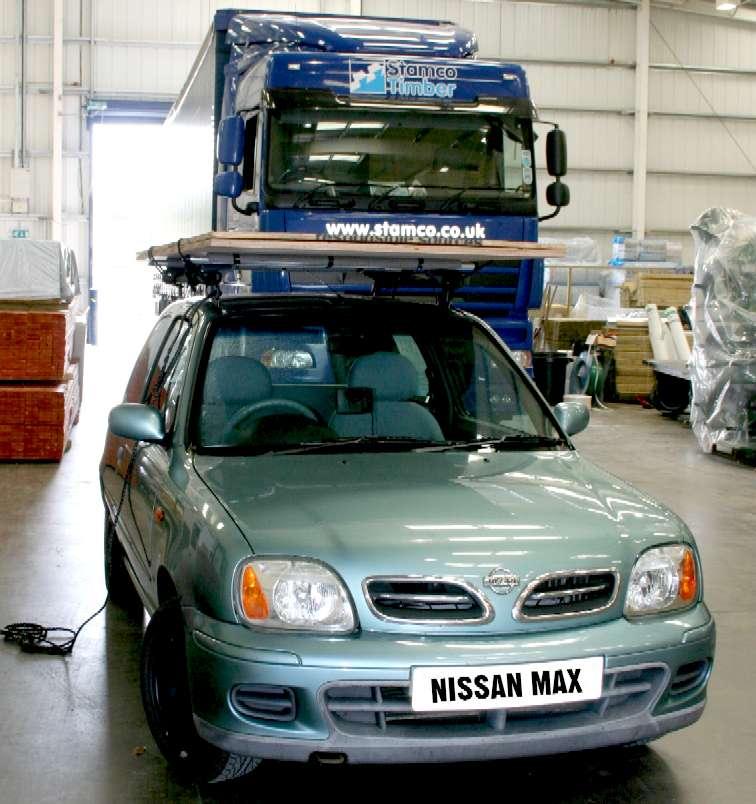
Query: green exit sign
(20, 233)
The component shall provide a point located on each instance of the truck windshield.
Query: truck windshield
(333, 380)
(436, 161)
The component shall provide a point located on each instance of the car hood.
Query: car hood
(447, 514)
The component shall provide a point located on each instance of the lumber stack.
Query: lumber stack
(40, 379)
(661, 289)
(633, 378)
(563, 333)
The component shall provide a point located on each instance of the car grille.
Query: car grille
(264, 702)
(688, 677)
(426, 600)
(361, 709)
(567, 594)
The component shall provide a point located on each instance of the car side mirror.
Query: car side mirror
(556, 152)
(137, 422)
(573, 417)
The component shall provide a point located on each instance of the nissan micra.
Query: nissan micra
(361, 535)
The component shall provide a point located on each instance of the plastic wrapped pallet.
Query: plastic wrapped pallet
(37, 270)
(723, 372)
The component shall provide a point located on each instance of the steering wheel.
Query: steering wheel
(268, 407)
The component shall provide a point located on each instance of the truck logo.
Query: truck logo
(501, 581)
(401, 79)
(367, 77)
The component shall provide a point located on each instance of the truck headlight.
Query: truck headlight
(663, 579)
(294, 594)
(523, 358)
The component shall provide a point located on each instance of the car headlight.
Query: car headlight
(294, 594)
(663, 579)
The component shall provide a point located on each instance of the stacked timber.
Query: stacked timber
(661, 289)
(633, 378)
(41, 352)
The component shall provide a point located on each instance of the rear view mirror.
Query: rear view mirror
(231, 141)
(556, 153)
(228, 184)
(573, 417)
(558, 194)
(137, 422)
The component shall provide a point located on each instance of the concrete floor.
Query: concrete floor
(73, 729)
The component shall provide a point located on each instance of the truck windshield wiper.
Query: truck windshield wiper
(408, 202)
(328, 201)
(509, 442)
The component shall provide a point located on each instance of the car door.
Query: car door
(149, 472)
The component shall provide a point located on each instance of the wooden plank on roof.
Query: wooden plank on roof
(284, 244)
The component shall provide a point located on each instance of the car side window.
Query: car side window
(165, 381)
(137, 384)
(165, 362)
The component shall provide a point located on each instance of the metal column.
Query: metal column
(640, 151)
(56, 178)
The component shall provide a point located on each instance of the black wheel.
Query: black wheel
(117, 581)
(167, 704)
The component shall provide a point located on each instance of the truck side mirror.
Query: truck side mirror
(558, 194)
(556, 153)
(231, 141)
(229, 184)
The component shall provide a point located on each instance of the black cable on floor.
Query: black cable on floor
(34, 638)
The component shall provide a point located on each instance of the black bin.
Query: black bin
(550, 374)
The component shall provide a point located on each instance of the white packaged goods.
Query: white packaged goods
(671, 319)
(594, 307)
(37, 270)
(577, 250)
(661, 337)
(628, 249)
(723, 368)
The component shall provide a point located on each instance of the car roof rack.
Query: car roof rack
(203, 260)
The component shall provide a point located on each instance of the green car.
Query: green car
(363, 536)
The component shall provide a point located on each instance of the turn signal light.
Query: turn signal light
(688, 581)
(253, 598)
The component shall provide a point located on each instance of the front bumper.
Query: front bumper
(655, 678)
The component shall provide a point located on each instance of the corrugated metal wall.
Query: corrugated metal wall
(580, 60)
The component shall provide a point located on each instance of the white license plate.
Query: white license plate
(506, 686)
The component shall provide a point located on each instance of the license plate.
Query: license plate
(506, 686)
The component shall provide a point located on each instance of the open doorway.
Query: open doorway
(125, 216)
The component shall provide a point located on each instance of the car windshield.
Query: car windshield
(337, 380)
(379, 158)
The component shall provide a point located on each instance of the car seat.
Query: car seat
(393, 382)
(231, 383)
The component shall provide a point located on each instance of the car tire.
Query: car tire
(117, 580)
(167, 704)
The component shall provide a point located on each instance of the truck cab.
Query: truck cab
(368, 129)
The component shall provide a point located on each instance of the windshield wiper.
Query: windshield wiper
(404, 204)
(358, 444)
(329, 201)
(514, 441)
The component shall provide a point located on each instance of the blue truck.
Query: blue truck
(366, 129)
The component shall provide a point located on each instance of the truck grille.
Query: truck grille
(365, 708)
(426, 600)
(566, 594)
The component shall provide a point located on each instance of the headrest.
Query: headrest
(391, 376)
(237, 380)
